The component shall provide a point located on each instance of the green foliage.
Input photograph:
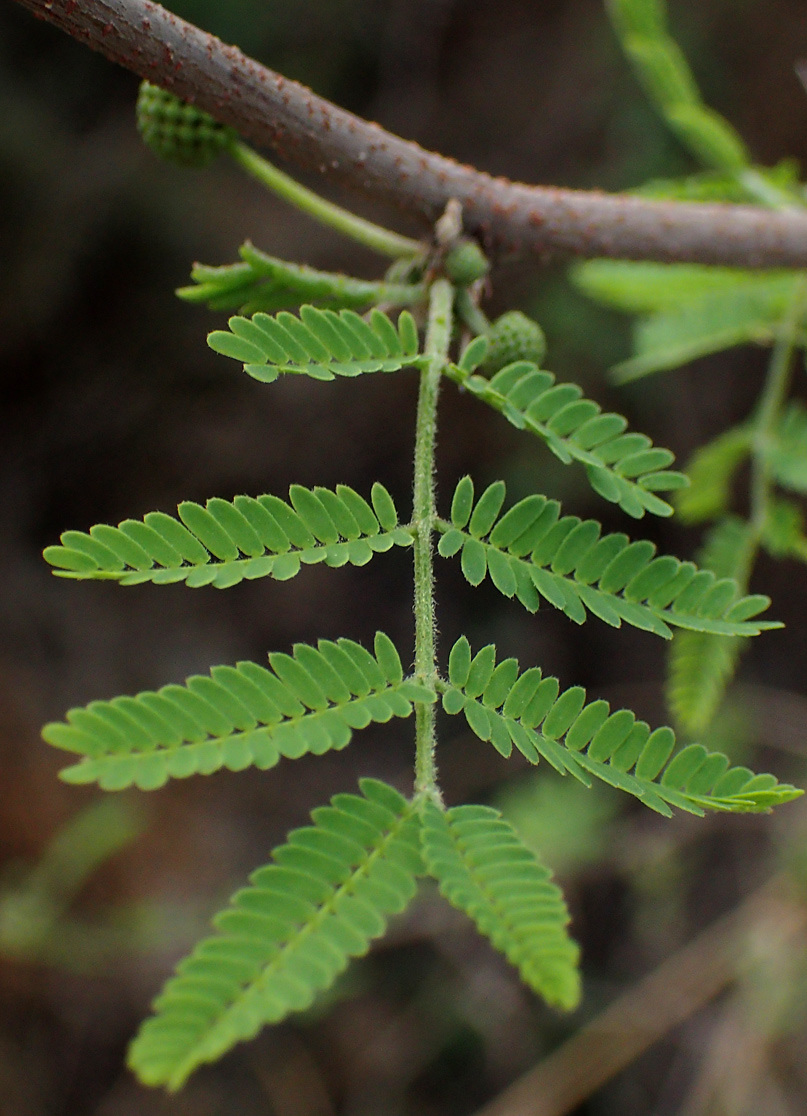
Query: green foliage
(623, 468)
(238, 717)
(485, 870)
(786, 455)
(264, 283)
(711, 471)
(691, 311)
(702, 665)
(319, 343)
(533, 552)
(226, 541)
(584, 739)
(663, 71)
(331, 888)
(285, 938)
(178, 131)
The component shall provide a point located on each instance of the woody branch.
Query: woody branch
(313, 134)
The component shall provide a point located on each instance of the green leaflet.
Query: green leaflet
(663, 71)
(227, 541)
(586, 739)
(691, 310)
(711, 472)
(485, 870)
(751, 312)
(787, 455)
(784, 534)
(238, 717)
(655, 288)
(322, 344)
(623, 468)
(533, 552)
(264, 283)
(701, 666)
(754, 184)
(287, 936)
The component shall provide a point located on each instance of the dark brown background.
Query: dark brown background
(112, 406)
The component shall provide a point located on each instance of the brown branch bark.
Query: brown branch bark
(314, 134)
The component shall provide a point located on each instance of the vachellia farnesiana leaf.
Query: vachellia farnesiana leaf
(227, 541)
(702, 665)
(663, 71)
(626, 469)
(238, 717)
(532, 552)
(319, 343)
(691, 311)
(264, 283)
(584, 739)
(287, 936)
(786, 453)
(721, 186)
(485, 870)
(711, 472)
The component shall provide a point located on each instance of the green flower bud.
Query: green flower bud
(514, 336)
(177, 131)
(465, 263)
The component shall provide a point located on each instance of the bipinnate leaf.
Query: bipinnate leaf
(322, 344)
(663, 71)
(532, 552)
(701, 665)
(287, 936)
(787, 450)
(264, 283)
(484, 869)
(625, 469)
(228, 541)
(238, 717)
(711, 471)
(689, 311)
(584, 738)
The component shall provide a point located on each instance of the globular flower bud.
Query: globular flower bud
(177, 131)
(512, 337)
(465, 263)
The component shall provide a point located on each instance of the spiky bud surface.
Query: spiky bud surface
(177, 131)
(514, 336)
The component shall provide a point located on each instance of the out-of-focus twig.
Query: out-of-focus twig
(663, 999)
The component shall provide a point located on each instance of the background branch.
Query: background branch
(314, 134)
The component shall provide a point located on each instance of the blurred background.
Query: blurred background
(112, 406)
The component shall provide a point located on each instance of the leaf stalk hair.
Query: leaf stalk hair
(438, 339)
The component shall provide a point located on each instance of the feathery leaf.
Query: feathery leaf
(532, 552)
(485, 870)
(711, 471)
(623, 468)
(701, 665)
(787, 456)
(691, 310)
(263, 283)
(663, 71)
(237, 717)
(322, 344)
(226, 541)
(287, 936)
(585, 739)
